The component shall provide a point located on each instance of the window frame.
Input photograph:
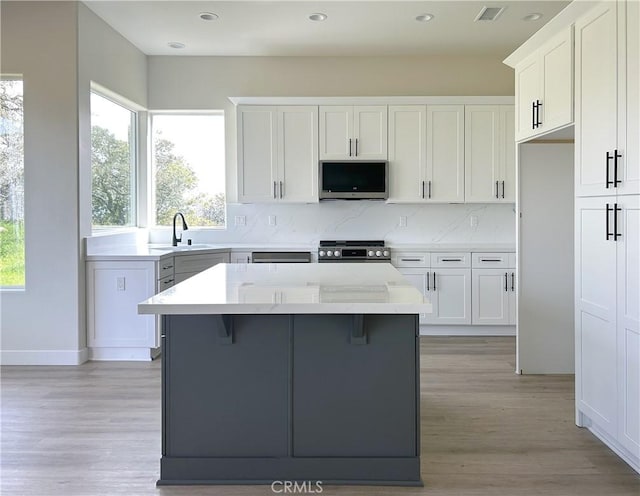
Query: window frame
(151, 203)
(134, 159)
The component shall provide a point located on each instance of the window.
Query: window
(113, 163)
(188, 167)
(11, 183)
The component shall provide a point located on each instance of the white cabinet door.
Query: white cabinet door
(597, 99)
(370, 132)
(445, 153)
(628, 321)
(418, 277)
(556, 62)
(507, 154)
(528, 90)
(336, 132)
(595, 319)
(482, 157)
(240, 257)
(257, 153)
(450, 294)
(407, 153)
(298, 154)
(490, 296)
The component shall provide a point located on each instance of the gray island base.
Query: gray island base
(257, 398)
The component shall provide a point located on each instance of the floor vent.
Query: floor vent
(489, 13)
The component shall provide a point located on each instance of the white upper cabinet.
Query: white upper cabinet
(407, 153)
(445, 153)
(353, 132)
(277, 154)
(629, 172)
(599, 102)
(489, 153)
(544, 88)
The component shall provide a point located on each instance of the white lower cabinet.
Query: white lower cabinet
(450, 293)
(607, 293)
(238, 257)
(115, 330)
(417, 276)
(494, 299)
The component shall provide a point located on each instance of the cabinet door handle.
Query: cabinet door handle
(491, 260)
(281, 185)
(356, 147)
(452, 260)
(349, 146)
(533, 115)
(429, 188)
(506, 281)
(497, 190)
(616, 209)
(607, 222)
(538, 121)
(607, 182)
(422, 189)
(274, 189)
(411, 259)
(434, 280)
(503, 189)
(165, 267)
(616, 156)
(428, 276)
(513, 281)
(168, 281)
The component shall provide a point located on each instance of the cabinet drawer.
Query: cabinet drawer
(165, 267)
(452, 260)
(491, 260)
(411, 259)
(198, 263)
(165, 283)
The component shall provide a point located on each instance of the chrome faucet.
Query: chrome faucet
(175, 239)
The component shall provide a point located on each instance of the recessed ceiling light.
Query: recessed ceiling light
(208, 16)
(176, 44)
(424, 17)
(532, 17)
(318, 16)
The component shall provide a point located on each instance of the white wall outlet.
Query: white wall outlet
(473, 220)
(241, 220)
(120, 283)
(403, 221)
(272, 220)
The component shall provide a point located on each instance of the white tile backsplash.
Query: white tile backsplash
(308, 223)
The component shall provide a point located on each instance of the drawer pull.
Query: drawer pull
(491, 260)
(165, 267)
(452, 260)
(168, 281)
(411, 259)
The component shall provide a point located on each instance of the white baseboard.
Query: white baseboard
(44, 357)
(123, 354)
(467, 330)
(632, 460)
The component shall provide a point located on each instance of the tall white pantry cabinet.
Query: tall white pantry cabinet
(607, 225)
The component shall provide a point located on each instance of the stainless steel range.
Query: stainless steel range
(353, 251)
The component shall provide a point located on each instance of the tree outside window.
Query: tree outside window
(12, 247)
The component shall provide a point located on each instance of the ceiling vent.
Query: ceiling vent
(489, 13)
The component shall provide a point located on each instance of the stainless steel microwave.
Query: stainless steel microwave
(354, 180)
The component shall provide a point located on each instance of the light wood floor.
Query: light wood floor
(95, 430)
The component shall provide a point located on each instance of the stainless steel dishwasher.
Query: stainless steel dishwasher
(281, 257)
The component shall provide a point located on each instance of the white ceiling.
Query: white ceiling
(358, 28)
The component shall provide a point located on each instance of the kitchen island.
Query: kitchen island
(290, 372)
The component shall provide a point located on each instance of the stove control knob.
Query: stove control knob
(336, 253)
(370, 253)
(329, 253)
(378, 253)
(386, 253)
(322, 253)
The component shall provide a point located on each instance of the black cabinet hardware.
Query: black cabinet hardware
(513, 281)
(356, 147)
(506, 281)
(281, 194)
(491, 260)
(274, 189)
(616, 209)
(538, 121)
(607, 222)
(349, 146)
(609, 157)
(616, 156)
(502, 189)
(533, 115)
(434, 281)
(497, 190)
(411, 259)
(428, 276)
(429, 188)
(452, 260)
(422, 189)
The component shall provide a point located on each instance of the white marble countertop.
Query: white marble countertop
(290, 289)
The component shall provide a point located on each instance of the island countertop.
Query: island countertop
(344, 288)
